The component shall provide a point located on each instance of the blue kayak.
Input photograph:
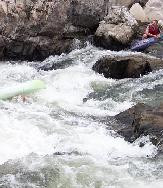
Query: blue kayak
(141, 45)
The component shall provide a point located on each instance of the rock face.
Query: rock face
(142, 120)
(35, 29)
(129, 66)
(128, 3)
(117, 29)
(154, 9)
(87, 13)
(156, 50)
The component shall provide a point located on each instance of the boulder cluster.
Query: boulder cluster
(35, 29)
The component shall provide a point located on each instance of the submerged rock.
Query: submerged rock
(129, 66)
(142, 120)
(117, 29)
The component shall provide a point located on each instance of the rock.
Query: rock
(141, 2)
(142, 120)
(35, 29)
(36, 48)
(87, 13)
(129, 66)
(155, 50)
(153, 9)
(138, 12)
(128, 3)
(125, 3)
(116, 30)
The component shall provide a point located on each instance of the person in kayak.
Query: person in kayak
(152, 30)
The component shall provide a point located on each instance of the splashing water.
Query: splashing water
(56, 140)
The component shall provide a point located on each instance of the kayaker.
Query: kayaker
(152, 30)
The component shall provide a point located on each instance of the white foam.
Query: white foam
(55, 119)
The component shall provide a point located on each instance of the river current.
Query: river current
(55, 140)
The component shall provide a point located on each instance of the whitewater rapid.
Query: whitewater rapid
(56, 140)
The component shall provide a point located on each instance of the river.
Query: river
(55, 140)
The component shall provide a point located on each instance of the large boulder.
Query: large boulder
(128, 66)
(117, 29)
(138, 12)
(33, 29)
(2, 46)
(142, 120)
(87, 13)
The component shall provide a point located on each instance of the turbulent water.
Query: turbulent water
(54, 140)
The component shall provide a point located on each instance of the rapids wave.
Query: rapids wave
(55, 140)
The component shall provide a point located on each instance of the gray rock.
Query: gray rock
(35, 29)
(129, 66)
(117, 29)
(128, 3)
(87, 13)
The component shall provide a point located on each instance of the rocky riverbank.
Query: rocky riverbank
(33, 30)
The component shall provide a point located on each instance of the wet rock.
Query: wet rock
(142, 120)
(153, 9)
(32, 48)
(52, 65)
(155, 50)
(35, 29)
(129, 66)
(2, 46)
(116, 30)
